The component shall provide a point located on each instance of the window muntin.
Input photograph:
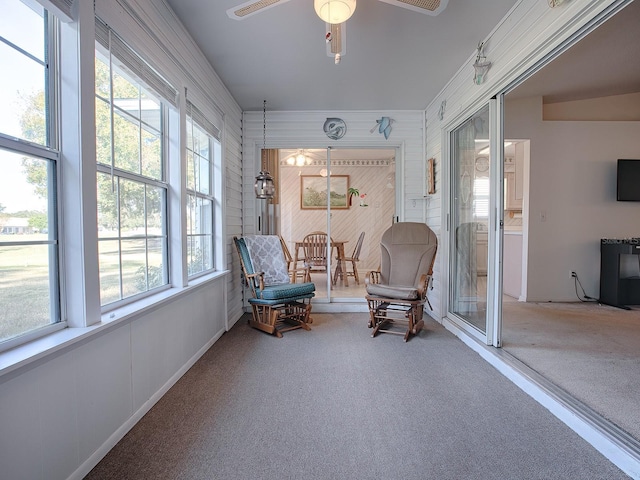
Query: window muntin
(132, 192)
(200, 200)
(29, 271)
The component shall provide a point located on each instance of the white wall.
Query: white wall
(75, 393)
(573, 188)
(61, 414)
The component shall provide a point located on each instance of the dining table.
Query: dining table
(341, 267)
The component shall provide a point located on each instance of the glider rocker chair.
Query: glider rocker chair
(397, 292)
(277, 304)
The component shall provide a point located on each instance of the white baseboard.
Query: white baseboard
(111, 442)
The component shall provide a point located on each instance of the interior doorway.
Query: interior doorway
(362, 186)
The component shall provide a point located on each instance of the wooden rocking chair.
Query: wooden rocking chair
(277, 304)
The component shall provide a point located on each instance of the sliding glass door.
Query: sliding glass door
(361, 200)
(475, 246)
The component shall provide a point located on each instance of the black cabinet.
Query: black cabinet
(620, 271)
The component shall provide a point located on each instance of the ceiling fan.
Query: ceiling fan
(429, 7)
(335, 13)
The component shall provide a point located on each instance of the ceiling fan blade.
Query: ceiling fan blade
(252, 7)
(429, 7)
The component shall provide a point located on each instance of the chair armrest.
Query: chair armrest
(306, 276)
(259, 276)
(373, 277)
(423, 283)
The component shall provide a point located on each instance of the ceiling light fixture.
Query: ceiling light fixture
(298, 159)
(334, 11)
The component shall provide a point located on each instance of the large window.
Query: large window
(131, 120)
(202, 148)
(29, 279)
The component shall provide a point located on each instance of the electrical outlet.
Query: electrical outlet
(573, 274)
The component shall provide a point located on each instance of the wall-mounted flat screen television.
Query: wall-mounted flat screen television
(628, 180)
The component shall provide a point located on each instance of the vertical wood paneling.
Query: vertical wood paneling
(233, 211)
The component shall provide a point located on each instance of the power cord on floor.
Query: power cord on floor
(585, 297)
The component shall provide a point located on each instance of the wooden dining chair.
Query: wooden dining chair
(296, 272)
(314, 246)
(353, 260)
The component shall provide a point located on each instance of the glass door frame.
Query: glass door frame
(328, 229)
(331, 297)
(353, 303)
(493, 316)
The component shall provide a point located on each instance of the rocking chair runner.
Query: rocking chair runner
(397, 292)
(277, 304)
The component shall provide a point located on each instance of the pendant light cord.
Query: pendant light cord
(264, 134)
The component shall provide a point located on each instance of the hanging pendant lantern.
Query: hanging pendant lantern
(264, 185)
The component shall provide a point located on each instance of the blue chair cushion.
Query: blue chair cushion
(284, 301)
(287, 291)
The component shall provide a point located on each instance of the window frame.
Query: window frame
(49, 152)
(163, 182)
(213, 146)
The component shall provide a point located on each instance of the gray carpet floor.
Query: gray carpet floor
(334, 403)
(589, 350)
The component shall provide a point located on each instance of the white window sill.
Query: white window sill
(35, 350)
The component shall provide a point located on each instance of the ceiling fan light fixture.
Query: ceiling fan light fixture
(334, 11)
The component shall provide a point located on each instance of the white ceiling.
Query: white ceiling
(396, 59)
